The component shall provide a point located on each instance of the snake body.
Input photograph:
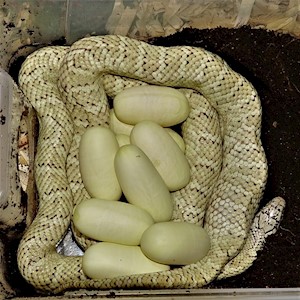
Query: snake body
(68, 87)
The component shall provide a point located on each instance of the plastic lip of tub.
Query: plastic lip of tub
(192, 294)
(6, 92)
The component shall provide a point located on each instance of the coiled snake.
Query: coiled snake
(68, 87)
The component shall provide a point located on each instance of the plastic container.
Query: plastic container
(6, 91)
(32, 24)
(35, 22)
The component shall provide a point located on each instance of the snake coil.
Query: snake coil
(68, 87)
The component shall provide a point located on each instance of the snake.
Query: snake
(71, 87)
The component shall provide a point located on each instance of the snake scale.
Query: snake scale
(69, 88)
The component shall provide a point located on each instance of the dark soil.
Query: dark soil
(271, 61)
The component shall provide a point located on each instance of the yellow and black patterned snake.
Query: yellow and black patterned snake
(69, 88)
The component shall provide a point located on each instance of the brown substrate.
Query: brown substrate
(272, 63)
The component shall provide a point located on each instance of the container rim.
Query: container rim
(183, 294)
